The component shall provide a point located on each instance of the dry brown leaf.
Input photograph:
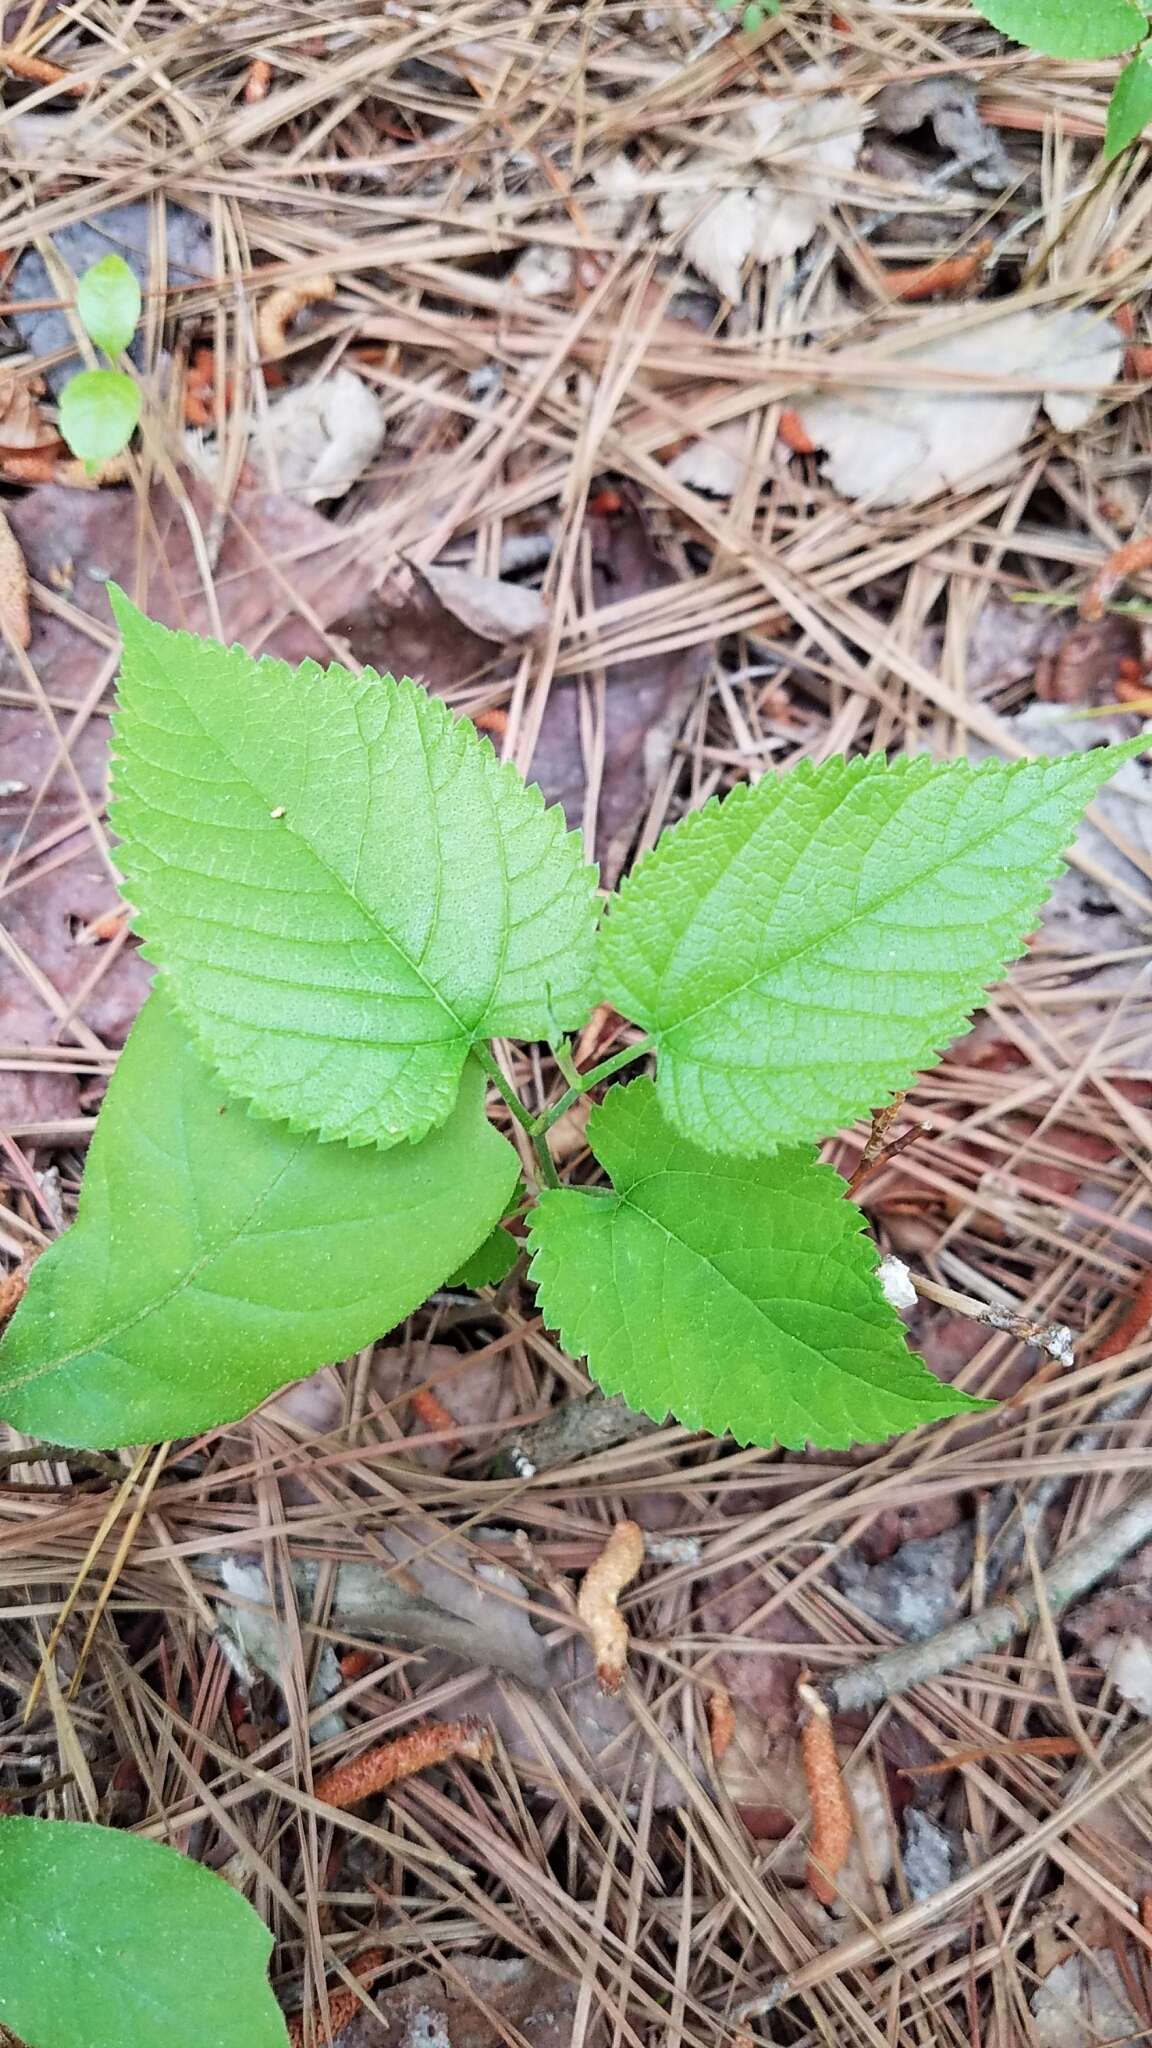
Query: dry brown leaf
(15, 596)
(901, 445)
(1085, 2002)
(722, 215)
(317, 439)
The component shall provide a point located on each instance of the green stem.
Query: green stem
(590, 1080)
(524, 1117)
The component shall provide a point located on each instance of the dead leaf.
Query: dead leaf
(317, 439)
(646, 698)
(1084, 2002)
(948, 104)
(442, 626)
(75, 542)
(722, 216)
(900, 446)
(23, 428)
(15, 615)
(1085, 662)
(482, 2002)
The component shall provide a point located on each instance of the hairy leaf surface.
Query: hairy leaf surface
(344, 888)
(109, 1938)
(739, 1294)
(803, 948)
(216, 1257)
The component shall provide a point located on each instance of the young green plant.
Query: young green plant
(100, 409)
(349, 900)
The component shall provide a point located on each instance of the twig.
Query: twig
(832, 1826)
(1072, 1572)
(401, 1758)
(601, 1587)
(1055, 1338)
(577, 1429)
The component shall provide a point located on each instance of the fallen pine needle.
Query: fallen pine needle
(1127, 561)
(343, 2005)
(15, 615)
(602, 1585)
(983, 1752)
(721, 1721)
(401, 1758)
(280, 308)
(38, 70)
(832, 1827)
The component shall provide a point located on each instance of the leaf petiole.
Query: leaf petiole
(524, 1117)
(591, 1079)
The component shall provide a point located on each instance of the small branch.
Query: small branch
(879, 1152)
(1072, 1572)
(577, 1429)
(1055, 1338)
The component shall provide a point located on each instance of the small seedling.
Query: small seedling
(348, 898)
(100, 409)
(754, 15)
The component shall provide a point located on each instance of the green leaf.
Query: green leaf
(739, 1294)
(1069, 28)
(344, 887)
(800, 950)
(215, 1257)
(108, 302)
(109, 1938)
(490, 1263)
(1130, 108)
(99, 413)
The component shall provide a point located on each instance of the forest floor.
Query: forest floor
(765, 398)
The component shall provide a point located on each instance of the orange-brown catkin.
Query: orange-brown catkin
(831, 1836)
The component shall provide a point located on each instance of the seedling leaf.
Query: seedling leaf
(1130, 108)
(108, 302)
(215, 1257)
(99, 413)
(490, 1263)
(802, 949)
(1069, 28)
(343, 886)
(738, 1293)
(111, 1938)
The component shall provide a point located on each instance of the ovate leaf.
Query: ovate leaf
(1130, 108)
(490, 1263)
(99, 413)
(215, 1257)
(803, 948)
(109, 1938)
(108, 302)
(739, 1294)
(343, 886)
(1069, 28)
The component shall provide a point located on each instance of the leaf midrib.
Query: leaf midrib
(825, 1363)
(186, 1280)
(467, 1032)
(787, 959)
